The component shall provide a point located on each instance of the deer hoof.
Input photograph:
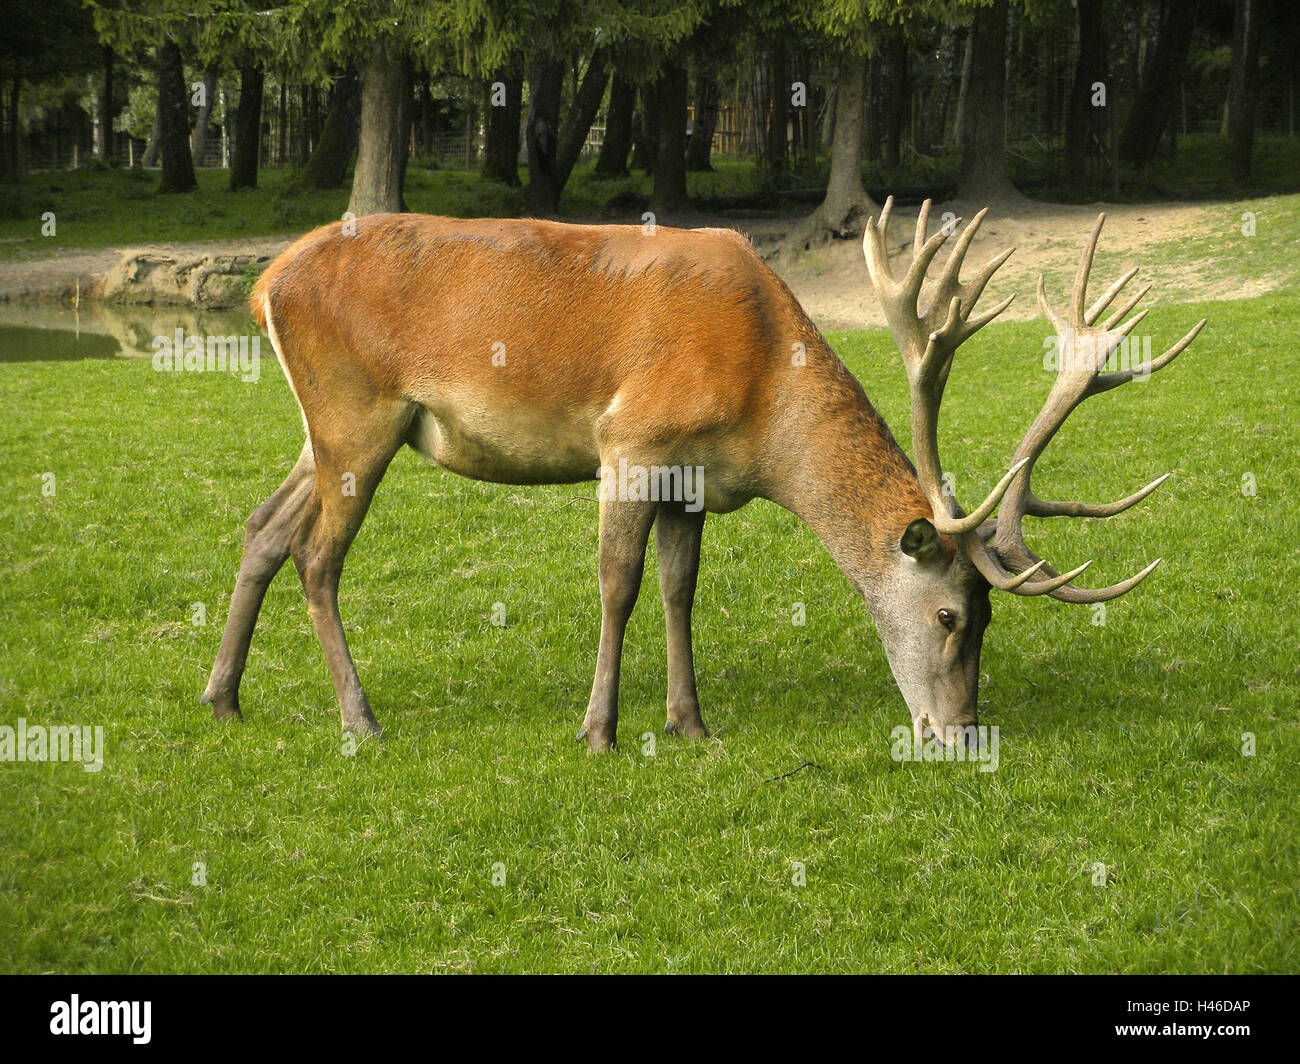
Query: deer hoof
(224, 707)
(691, 729)
(597, 740)
(364, 727)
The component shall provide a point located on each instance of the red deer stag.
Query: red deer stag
(528, 352)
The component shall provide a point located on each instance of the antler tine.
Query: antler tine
(923, 250)
(877, 254)
(1058, 323)
(1118, 316)
(952, 268)
(974, 325)
(1000, 577)
(1017, 583)
(1129, 325)
(1180, 347)
(1103, 594)
(1107, 381)
(975, 286)
(1048, 587)
(1094, 311)
(922, 227)
(956, 526)
(1080, 595)
(1036, 507)
(884, 213)
(1080, 293)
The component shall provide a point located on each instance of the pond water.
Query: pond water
(46, 332)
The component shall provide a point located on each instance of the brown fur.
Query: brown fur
(667, 348)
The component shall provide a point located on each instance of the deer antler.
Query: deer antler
(1083, 350)
(928, 339)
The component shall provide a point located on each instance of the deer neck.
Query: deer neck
(844, 474)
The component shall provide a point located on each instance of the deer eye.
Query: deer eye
(947, 619)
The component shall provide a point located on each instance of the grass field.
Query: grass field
(1121, 744)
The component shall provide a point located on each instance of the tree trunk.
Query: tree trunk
(311, 121)
(947, 63)
(248, 126)
(1083, 125)
(12, 168)
(282, 125)
(847, 203)
(501, 134)
(673, 95)
(471, 133)
(899, 103)
(152, 150)
(963, 93)
(645, 131)
(424, 123)
(872, 136)
(328, 165)
(173, 107)
(199, 135)
(827, 134)
(1158, 97)
(618, 129)
(577, 123)
(706, 121)
(542, 132)
(778, 115)
(385, 132)
(104, 149)
(1243, 87)
(983, 158)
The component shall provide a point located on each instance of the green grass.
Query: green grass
(1120, 744)
(1200, 168)
(1223, 251)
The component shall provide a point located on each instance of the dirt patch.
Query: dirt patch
(831, 281)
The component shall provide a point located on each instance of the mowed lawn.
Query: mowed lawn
(481, 837)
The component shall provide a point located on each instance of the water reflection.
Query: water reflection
(41, 332)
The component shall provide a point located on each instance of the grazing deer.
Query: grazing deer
(528, 352)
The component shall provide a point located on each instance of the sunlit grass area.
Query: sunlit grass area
(1123, 830)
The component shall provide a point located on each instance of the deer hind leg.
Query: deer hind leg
(348, 470)
(267, 536)
(677, 545)
(624, 532)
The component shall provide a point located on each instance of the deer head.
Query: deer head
(932, 605)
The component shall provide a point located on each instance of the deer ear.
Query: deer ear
(921, 541)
